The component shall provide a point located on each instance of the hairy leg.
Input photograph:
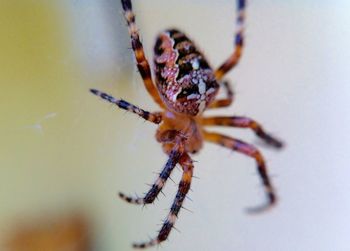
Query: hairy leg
(184, 187)
(236, 55)
(252, 152)
(226, 101)
(152, 117)
(142, 63)
(243, 122)
(151, 195)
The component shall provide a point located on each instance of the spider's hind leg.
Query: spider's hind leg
(251, 151)
(184, 187)
(243, 122)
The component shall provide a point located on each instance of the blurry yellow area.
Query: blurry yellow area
(33, 80)
(36, 77)
(32, 53)
(45, 139)
(61, 148)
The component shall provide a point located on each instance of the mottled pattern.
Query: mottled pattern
(184, 78)
(185, 86)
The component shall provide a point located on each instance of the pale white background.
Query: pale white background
(293, 78)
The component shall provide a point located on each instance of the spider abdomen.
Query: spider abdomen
(184, 79)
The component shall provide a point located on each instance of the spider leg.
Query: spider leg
(226, 101)
(243, 122)
(142, 63)
(251, 151)
(151, 195)
(152, 117)
(236, 55)
(184, 187)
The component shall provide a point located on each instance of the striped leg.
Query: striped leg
(236, 55)
(226, 101)
(250, 151)
(152, 117)
(243, 122)
(152, 194)
(184, 187)
(142, 63)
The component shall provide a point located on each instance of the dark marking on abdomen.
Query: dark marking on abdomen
(158, 50)
(187, 53)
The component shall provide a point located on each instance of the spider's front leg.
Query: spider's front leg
(236, 55)
(157, 186)
(251, 151)
(142, 63)
(184, 187)
(175, 153)
(152, 117)
(243, 122)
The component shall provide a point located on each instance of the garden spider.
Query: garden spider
(185, 86)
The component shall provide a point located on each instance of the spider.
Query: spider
(185, 86)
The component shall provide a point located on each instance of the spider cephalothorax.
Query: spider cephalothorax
(185, 86)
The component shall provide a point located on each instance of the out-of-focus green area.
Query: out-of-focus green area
(34, 48)
(37, 79)
(47, 150)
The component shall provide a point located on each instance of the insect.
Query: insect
(184, 87)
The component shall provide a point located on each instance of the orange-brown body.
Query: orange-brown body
(189, 127)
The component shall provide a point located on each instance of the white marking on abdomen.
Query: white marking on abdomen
(202, 87)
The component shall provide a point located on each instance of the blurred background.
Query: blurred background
(64, 154)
